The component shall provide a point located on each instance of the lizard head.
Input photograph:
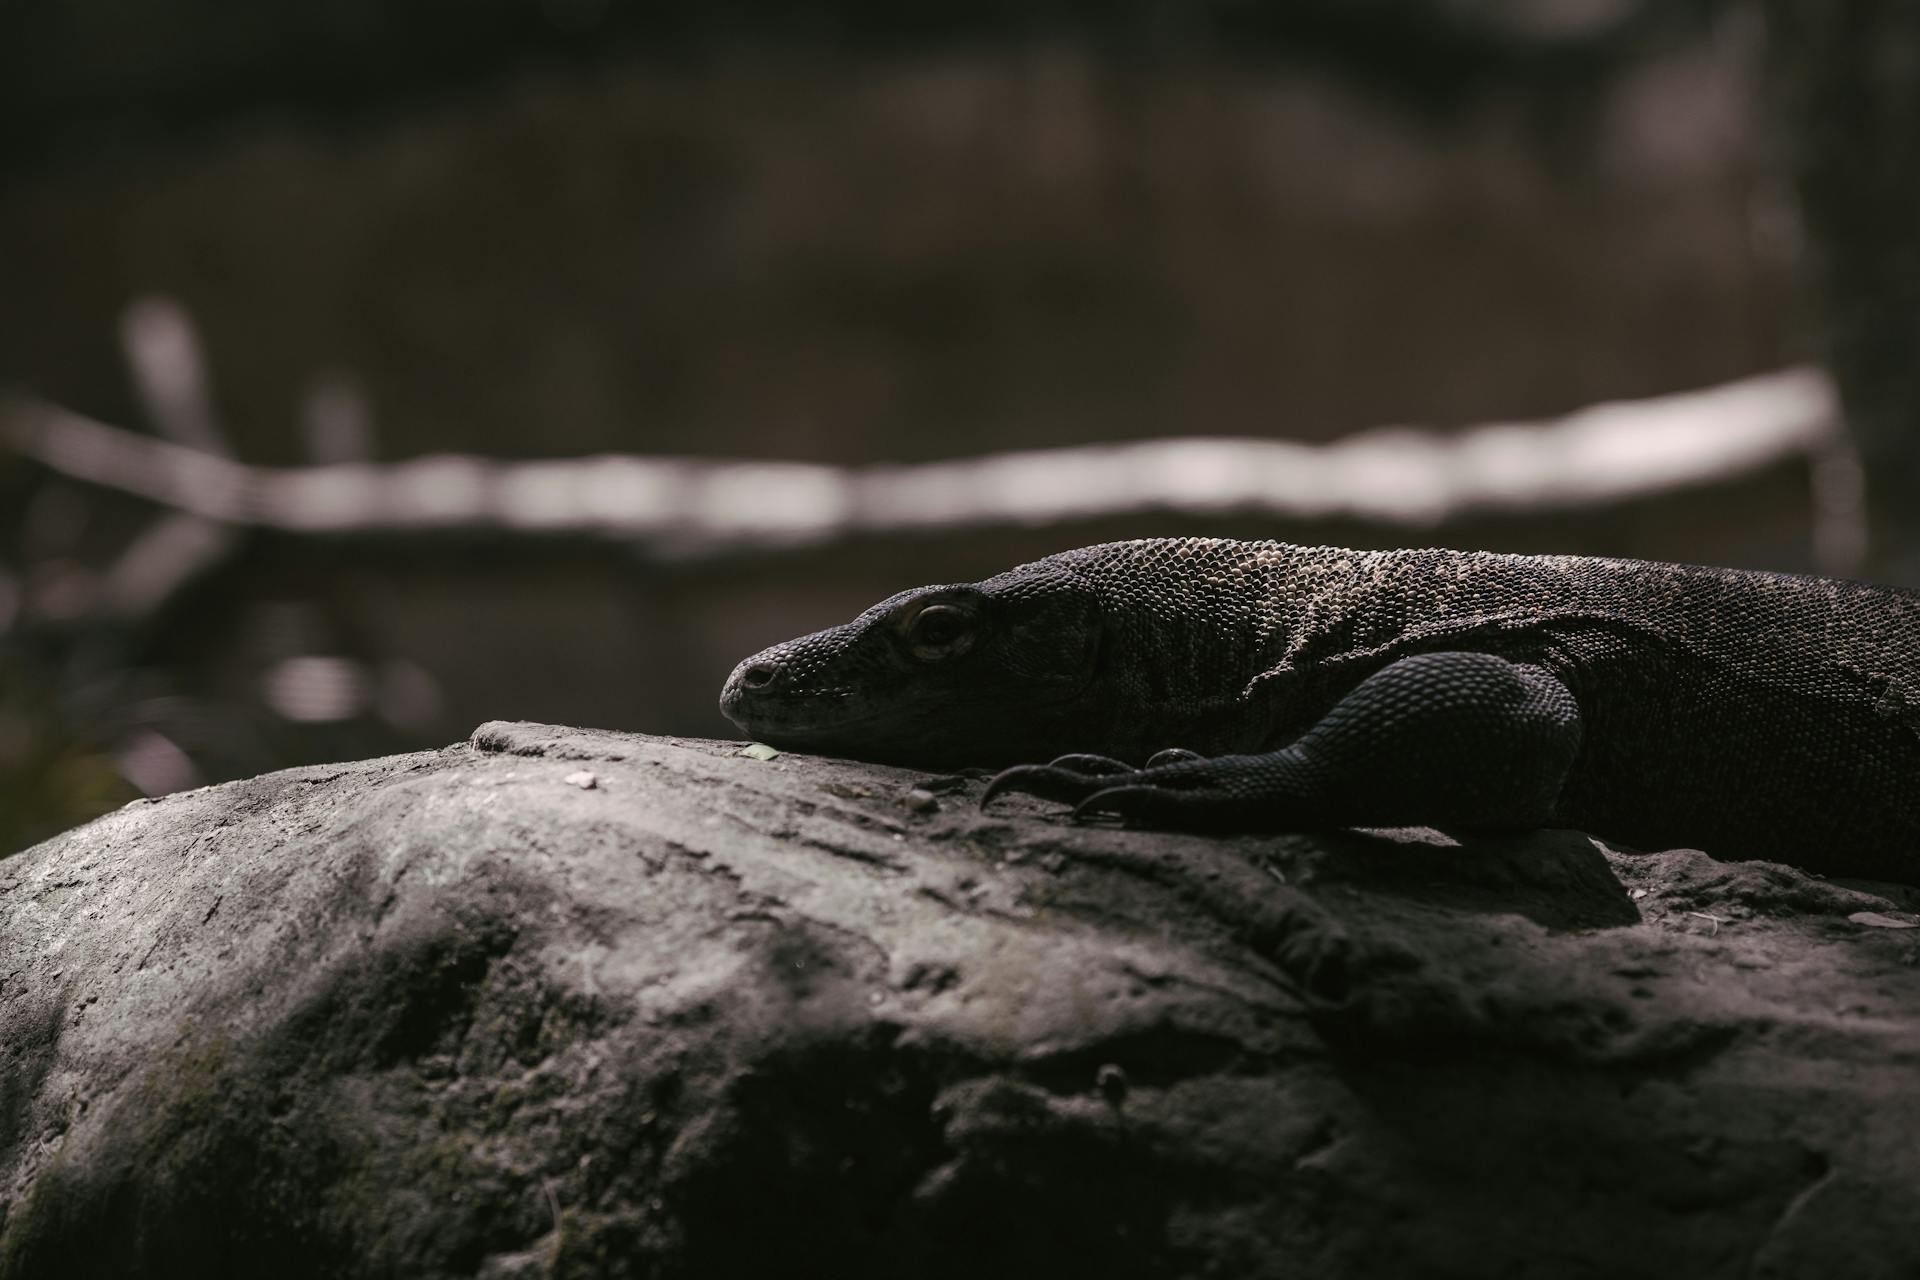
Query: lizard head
(968, 674)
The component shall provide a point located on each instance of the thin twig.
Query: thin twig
(1701, 915)
(1401, 476)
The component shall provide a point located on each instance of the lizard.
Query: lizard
(1204, 683)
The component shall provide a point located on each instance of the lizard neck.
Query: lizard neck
(1185, 622)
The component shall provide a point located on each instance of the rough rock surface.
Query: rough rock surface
(569, 1003)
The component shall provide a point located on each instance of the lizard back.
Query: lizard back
(1773, 713)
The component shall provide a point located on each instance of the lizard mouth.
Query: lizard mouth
(837, 722)
(754, 700)
(797, 722)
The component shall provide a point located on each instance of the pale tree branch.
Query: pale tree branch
(1398, 476)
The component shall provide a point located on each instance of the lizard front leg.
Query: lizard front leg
(1465, 739)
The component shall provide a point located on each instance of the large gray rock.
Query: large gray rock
(568, 1003)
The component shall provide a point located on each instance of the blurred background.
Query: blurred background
(370, 370)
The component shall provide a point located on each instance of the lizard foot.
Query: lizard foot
(1173, 755)
(1089, 764)
(1174, 787)
(1104, 766)
(1069, 779)
(1161, 805)
(1177, 789)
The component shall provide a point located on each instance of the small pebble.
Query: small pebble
(920, 800)
(1111, 1081)
(583, 779)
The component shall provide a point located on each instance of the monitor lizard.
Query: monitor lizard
(1206, 683)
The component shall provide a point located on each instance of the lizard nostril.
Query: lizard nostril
(760, 675)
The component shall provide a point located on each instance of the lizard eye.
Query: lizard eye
(940, 631)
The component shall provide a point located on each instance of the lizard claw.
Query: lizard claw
(1101, 784)
(1088, 764)
(1048, 781)
(1139, 802)
(1163, 805)
(1173, 755)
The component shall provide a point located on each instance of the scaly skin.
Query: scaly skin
(1750, 714)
